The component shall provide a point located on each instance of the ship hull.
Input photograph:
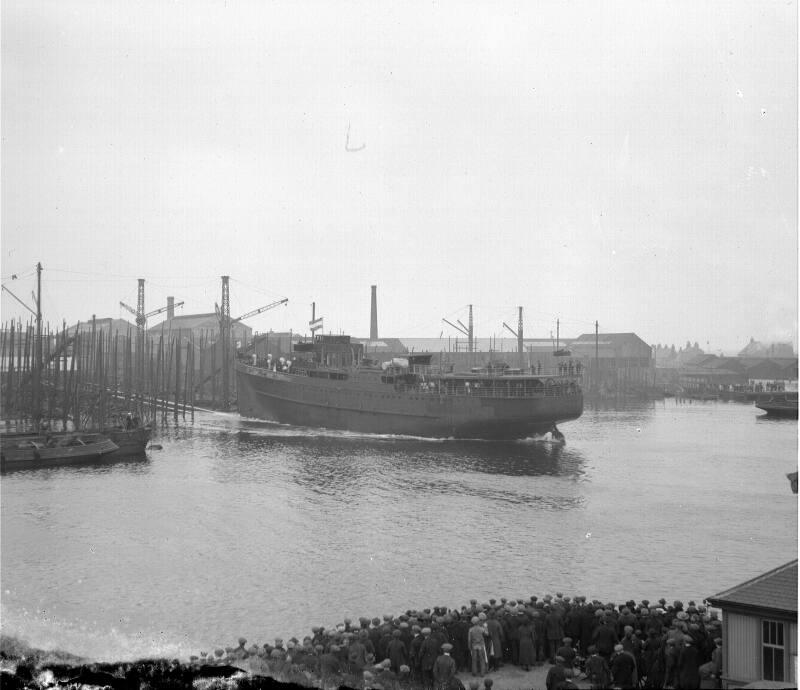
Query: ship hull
(375, 409)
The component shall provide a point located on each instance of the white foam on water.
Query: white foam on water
(41, 630)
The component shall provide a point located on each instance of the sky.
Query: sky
(626, 162)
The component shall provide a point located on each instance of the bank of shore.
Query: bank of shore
(520, 638)
(22, 666)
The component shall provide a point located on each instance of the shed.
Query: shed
(759, 628)
(205, 324)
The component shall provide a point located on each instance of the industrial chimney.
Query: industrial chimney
(170, 307)
(373, 315)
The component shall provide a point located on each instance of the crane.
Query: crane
(141, 319)
(224, 315)
(266, 307)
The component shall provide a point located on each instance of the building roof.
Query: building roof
(105, 324)
(388, 345)
(613, 336)
(190, 322)
(775, 590)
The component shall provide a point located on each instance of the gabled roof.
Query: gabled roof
(391, 345)
(195, 321)
(106, 324)
(775, 590)
(613, 336)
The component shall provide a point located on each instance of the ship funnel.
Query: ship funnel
(373, 315)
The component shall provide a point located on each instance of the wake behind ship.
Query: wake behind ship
(329, 383)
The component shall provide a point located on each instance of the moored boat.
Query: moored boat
(53, 449)
(330, 384)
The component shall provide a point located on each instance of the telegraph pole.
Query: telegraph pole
(37, 349)
(596, 358)
(225, 335)
(141, 320)
(471, 332)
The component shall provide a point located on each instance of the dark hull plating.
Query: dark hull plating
(378, 409)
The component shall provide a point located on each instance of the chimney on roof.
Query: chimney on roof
(373, 315)
(170, 307)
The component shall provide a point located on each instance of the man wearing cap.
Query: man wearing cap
(598, 672)
(428, 653)
(623, 668)
(357, 656)
(539, 633)
(496, 641)
(689, 664)
(445, 668)
(567, 653)
(458, 633)
(328, 666)
(556, 675)
(397, 652)
(511, 623)
(384, 677)
(477, 647)
(625, 618)
(415, 651)
(555, 630)
(604, 638)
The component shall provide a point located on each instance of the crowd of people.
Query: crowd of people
(583, 643)
(630, 645)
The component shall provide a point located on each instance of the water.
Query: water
(240, 527)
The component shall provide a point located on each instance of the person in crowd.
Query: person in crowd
(623, 668)
(444, 670)
(688, 664)
(556, 676)
(671, 654)
(567, 653)
(555, 630)
(397, 652)
(429, 652)
(496, 641)
(604, 637)
(477, 647)
(527, 643)
(356, 656)
(598, 672)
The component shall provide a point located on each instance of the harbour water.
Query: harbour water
(240, 527)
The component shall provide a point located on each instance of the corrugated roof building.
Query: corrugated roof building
(201, 324)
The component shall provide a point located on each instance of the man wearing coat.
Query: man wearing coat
(428, 653)
(445, 668)
(397, 653)
(477, 647)
(496, 639)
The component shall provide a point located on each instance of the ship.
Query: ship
(329, 383)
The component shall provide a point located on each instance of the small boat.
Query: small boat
(130, 441)
(53, 449)
(780, 405)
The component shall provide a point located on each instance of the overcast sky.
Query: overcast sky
(630, 162)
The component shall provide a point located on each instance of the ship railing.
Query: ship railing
(554, 391)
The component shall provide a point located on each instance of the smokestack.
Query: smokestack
(170, 307)
(373, 315)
